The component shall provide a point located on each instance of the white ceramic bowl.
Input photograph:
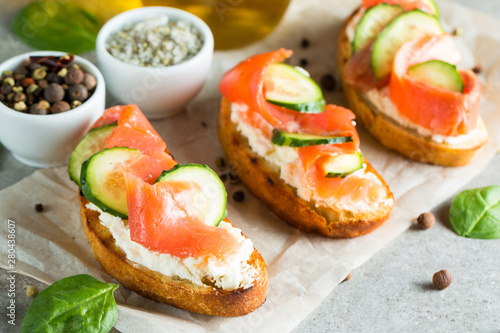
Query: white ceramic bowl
(158, 91)
(47, 140)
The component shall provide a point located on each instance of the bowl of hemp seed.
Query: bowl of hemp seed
(155, 57)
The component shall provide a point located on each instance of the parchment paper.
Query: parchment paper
(303, 269)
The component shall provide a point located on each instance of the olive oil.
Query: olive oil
(234, 23)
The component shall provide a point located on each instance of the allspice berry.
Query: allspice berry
(426, 221)
(78, 92)
(441, 279)
(73, 76)
(89, 81)
(60, 106)
(54, 93)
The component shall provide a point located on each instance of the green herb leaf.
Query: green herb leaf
(56, 25)
(476, 213)
(77, 303)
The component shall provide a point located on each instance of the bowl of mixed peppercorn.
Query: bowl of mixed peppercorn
(48, 100)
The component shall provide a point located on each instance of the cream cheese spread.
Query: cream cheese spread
(231, 273)
(286, 161)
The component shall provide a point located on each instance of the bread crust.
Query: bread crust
(180, 293)
(282, 199)
(391, 134)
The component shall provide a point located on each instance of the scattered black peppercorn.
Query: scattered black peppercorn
(223, 177)
(425, 221)
(54, 93)
(233, 179)
(60, 106)
(303, 62)
(39, 207)
(73, 76)
(220, 162)
(78, 92)
(6, 89)
(442, 279)
(203, 124)
(238, 196)
(328, 82)
(477, 69)
(54, 78)
(304, 43)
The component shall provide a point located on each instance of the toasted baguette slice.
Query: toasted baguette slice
(405, 141)
(180, 293)
(266, 184)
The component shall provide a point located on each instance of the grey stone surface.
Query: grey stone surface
(392, 292)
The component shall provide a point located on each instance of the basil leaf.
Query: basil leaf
(476, 213)
(56, 25)
(77, 303)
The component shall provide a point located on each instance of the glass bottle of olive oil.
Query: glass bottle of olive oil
(234, 23)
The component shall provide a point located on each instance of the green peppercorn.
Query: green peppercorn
(39, 73)
(32, 292)
(75, 104)
(63, 72)
(9, 80)
(17, 89)
(20, 106)
(7, 73)
(31, 88)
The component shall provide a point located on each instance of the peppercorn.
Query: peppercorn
(32, 291)
(18, 77)
(62, 73)
(43, 84)
(8, 80)
(39, 207)
(54, 78)
(20, 106)
(6, 89)
(78, 92)
(27, 81)
(238, 196)
(478, 68)
(10, 96)
(33, 66)
(60, 106)
(54, 93)
(304, 43)
(220, 162)
(74, 66)
(30, 99)
(203, 124)
(36, 109)
(441, 279)
(39, 73)
(223, 177)
(233, 179)
(426, 221)
(44, 104)
(19, 97)
(328, 82)
(348, 277)
(303, 62)
(75, 104)
(31, 88)
(17, 89)
(89, 81)
(73, 76)
(7, 73)
(2, 98)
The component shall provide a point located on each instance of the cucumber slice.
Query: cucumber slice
(289, 87)
(102, 179)
(91, 143)
(403, 28)
(433, 6)
(211, 202)
(373, 21)
(439, 74)
(303, 140)
(343, 165)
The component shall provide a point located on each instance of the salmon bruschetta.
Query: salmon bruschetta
(296, 154)
(159, 227)
(399, 75)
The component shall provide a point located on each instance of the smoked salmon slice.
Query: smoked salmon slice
(160, 218)
(406, 4)
(439, 110)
